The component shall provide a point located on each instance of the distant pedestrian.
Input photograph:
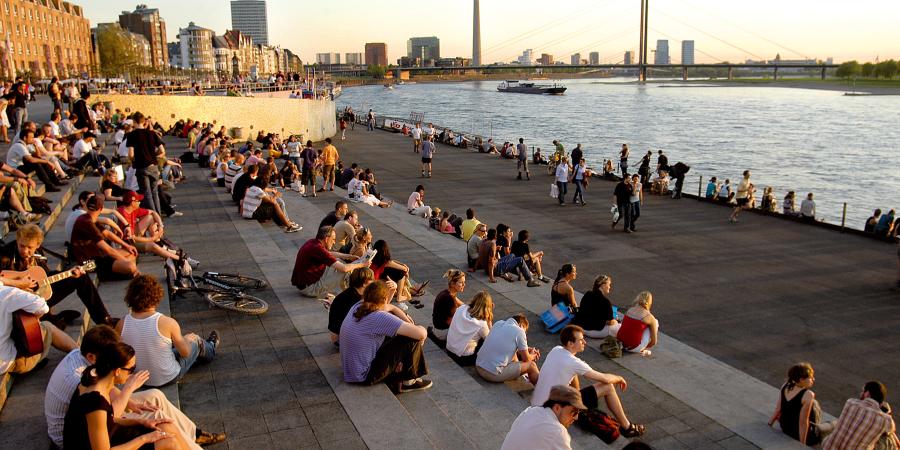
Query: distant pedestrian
(427, 155)
(370, 120)
(309, 158)
(644, 169)
(577, 155)
(742, 197)
(343, 125)
(578, 178)
(522, 149)
(417, 137)
(622, 197)
(623, 159)
(636, 199)
(662, 162)
(351, 117)
(808, 208)
(562, 179)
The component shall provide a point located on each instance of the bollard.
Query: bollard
(700, 189)
(844, 217)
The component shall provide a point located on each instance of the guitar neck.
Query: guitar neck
(58, 277)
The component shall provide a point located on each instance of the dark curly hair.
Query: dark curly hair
(143, 293)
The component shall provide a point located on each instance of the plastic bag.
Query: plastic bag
(554, 191)
(615, 212)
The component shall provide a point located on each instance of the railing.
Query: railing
(208, 88)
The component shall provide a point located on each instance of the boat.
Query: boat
(531, 88)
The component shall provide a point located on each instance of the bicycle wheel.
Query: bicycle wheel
(237, 301)
(236, 281)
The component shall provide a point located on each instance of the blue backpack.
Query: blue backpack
(557, 317)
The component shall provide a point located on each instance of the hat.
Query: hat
(128, 122)
(131, 196)
(95, 203)
(567, 394)
(88, 134)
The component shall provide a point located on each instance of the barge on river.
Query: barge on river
(531, 88)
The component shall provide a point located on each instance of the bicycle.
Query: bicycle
(222, 290)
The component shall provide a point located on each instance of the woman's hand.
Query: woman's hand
(154, 423)
(154, 436)
(136, 380)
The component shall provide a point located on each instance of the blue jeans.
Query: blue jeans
(635, 213)
(20, 116)
(579, 192)
(514, 264)
(201, 349)
(562, 191)
(624, 213)
(370, 124)
(147, 179)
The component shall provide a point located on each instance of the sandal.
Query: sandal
(634, 430)
(419, 291)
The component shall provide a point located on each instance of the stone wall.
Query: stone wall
(314, 119)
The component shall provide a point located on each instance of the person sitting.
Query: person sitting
(562, 367)
(473, 244)
(160, 347)
(146, 404)
(90, 421)
(263, 204)
(446, 303)
(357, 190)
(469, 326)
(509, 264)
(332, 218)
(89, 242)
(769, 204)
(147, 229)
(235, 169)
(19, 156)
(445, 226)
(712, 188)
(534, 260)
(797, 411)
(380, 343)
(595, 314)
(538, 158)
(345, 230)
(467, 228)
(790, 204)
(872, 221)
(640, 329)
(487, 255)
(562, 291)
(13, 299)
(491, 148)
(243, 181)
(660, 184)
(24, 252)
(808, 208)
(884, 225)
(317, 271)
(111, 189)
(386, 268)
(347, 174)
(505, 354)
(340, 306)
(546, 426)
(862, 422)
(415, 205)
(359, 244)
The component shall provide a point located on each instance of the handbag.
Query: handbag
(554, 191)
(556, 318)
(599, 424)
(611, 347)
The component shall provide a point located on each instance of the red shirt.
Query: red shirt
(85, 239)
(312, 260)
(134, 216)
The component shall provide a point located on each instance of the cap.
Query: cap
(567, 394)
(131, 196)
(128, 122)
(95, 203)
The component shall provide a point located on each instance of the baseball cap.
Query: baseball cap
(567, 394)
(95, 203)
(131, 196)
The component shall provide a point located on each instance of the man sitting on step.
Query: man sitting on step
(24, 252)
(90, 242)
(546, 426)
(127, 404)
(317, 271)
(12, 300)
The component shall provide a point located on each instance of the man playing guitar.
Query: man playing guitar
(12, 300)
(23, 253)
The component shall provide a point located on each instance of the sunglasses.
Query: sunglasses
(131, 369)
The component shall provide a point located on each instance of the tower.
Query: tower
(476, 36)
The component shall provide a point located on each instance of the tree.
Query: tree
(886, 69)
(376, 71)
(868, 70)
(117, 52)
(849, 70)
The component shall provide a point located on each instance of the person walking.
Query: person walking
(370, 120)
(427, 155)
(742, 197)
(522, 150)
(623, 159)
(143, 147)
(622, 197)
(637, 197)
(329, 158)
(562, 179)
(577, 155)
(417, 137)
(578, 179)
(644, 168)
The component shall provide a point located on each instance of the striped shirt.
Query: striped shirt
(859, 427)
(252, 200)
(62, 385)
(360, 340)
(153, 351)
(230, 174)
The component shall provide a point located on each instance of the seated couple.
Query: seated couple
(261, 202)
(639, 330)
(358, 191)
(496, 258)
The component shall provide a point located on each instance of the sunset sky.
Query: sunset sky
(722, 30)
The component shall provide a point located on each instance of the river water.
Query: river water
(841, 148)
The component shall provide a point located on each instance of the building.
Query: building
(147, 22)
(196, 46)
(356, 59)
(575, 59)
(424, 48)
(476, 35)
(687, 52)
(594, 58)
(662, 52)
(376, 53)
(249, 17)
(47, 38)
(174, 50)
(546, 59)
(527, 58)
(629, 58)
(328, 59)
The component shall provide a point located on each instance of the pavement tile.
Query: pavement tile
(294, 438)
(285, 419)
(736, 443)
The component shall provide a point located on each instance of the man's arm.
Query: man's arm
(607, 378)
(171, 327)
(125, 246)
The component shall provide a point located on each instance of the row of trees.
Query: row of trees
(884, 69)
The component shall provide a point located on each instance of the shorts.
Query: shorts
(589, 397)
(27, 364)
(264, 212)
(308, 176)
(522, 165)
(328, 172)
(426, 160)
(743, 201)
(417, 141)
(512, 371)
(220, 182)
(104, 267)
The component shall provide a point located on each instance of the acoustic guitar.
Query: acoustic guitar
(43, 281)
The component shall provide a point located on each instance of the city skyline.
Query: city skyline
(735, 33)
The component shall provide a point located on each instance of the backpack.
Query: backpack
(556, 318)
(599, 424)
(611, 347)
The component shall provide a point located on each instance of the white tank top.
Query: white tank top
(153, 352)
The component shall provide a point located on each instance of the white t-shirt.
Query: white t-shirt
(723, 191)
(414, 201)
(11, 300)
(119, 136)
(560, 367)
(293, 149)
(54, 129)
(15, 157)
(416, 133)
(562, 173)
(743, 190)
(808, 208)
(80, 149)
(465, 331)
(539, 428)
(122, 151)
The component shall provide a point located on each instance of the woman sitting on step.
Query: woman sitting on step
(797, 411)
(639, 329)
(470, 326)
(386, 268)
(358, 191)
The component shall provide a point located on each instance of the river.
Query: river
(841, 148)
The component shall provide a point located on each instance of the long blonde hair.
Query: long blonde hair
(644, 300)
(482, 307)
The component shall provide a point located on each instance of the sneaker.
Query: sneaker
(177, 214)
(402, 306)
(544, 278)
(192, 262)
(214, 338)
(533, 283)
(508, 277)
(293, 228)
(419, 385)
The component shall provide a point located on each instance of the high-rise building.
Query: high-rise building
(662, 52)
(46, 38)
(575, 59)
(355, 59)
(476, 35)
(376, 53)
(594, 58)
(328, 58)
(424, 48)
(629, 57)
(249, 17)
(546, 59)
(147, 22)
(687, 52)
(527, 58)
(196, 45)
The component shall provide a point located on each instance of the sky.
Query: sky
(722, 30)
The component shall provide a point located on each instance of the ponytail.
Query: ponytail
(109, 359)
(798, 372)
(563, 271)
